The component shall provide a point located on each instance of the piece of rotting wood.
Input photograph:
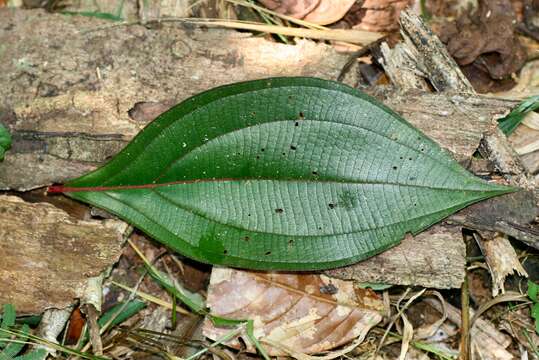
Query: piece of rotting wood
(48, 257)
(501, 258)
(432, 57)
(416, 261)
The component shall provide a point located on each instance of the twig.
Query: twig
(465, 321)
(361, 52)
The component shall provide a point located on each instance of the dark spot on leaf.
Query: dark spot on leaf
(401, 158)
(301, 115)
(225, 251)
(315, 173)
(257, 157)
(296, 123)
(292, 147)
(279, 211)
(262, 149)
(248, 214)
(247, 238)
(253, 113)
(394, 168)
(410, 159)
(319, 228)
(412, 178)
(268, 253)
(415, 204)
(291, 241)
(284, 154)
(331, 206)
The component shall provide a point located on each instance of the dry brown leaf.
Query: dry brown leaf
(305, 313)
(329, 11)
(320, 12)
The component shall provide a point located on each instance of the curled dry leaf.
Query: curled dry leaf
(379, 15)
(485, 44)
(321, 12)
(306, 313)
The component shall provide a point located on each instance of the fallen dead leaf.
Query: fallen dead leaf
(304, 313)
(320, 12)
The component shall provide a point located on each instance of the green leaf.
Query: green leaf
(5, 141)
(533, 291)
(128, 311)
(282, 173)
(535, 315)
(509, 123)
(38, 354)
(12, 349)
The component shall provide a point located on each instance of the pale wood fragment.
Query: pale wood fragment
(501, 258)
(48, 257)
(434, 258)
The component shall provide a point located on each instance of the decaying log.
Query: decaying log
(48, 147)
(49, 257)
(67, 92)
(435, 258)
(456, 122)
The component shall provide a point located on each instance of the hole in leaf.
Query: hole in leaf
(401, 158)
(291, 241)
(331, 206)
(296, 123)
(319, 228)
(248, 214)
(262, 149)
(394, 168)
(279, 211)
(225, 251)
(410, 159)
(253, 113)
(292, 147)
(247, 238)
(257, 157)
(284, 154)
(301, 115)
(315, 173)
(268, 253)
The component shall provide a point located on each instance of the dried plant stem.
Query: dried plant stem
(465, 321)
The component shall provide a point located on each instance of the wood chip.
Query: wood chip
(49, 257)
(416, 261)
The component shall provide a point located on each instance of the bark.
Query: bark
(67, 91)
(435, 258)
(48, 257)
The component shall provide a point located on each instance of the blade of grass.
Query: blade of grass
(509, 123)
(345, 35)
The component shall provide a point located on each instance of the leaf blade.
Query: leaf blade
(285, 173)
